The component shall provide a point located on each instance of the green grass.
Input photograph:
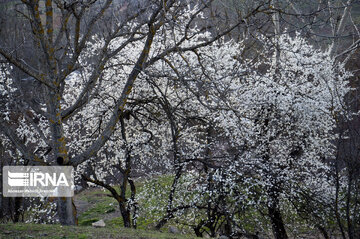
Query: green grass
(96, 205)
(21, 230)
(95, 195)
(96, 212)
(101, 205)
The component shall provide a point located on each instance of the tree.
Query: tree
(278, 120)
(282, 111)
(60, 40)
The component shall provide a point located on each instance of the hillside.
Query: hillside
(21, 230)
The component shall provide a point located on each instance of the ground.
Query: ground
(24, 231)
(92, 205)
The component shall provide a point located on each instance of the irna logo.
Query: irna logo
(38, 181)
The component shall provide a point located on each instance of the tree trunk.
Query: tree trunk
(197, 229)
(276, 220)
(66, 208)
(66, 211)
(323, 232)
(125, 215)
(17, 208)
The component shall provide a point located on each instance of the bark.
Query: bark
(170, 210)
(18, 201)
(66, 211)
(56, 126)
(323, 232)
(197, 231)
(277, 222)
(350, 229)
(125, 214)
(276, 219)
(337, 195)
(120, 198)
(66, 208)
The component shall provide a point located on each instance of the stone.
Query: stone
(223, 237)
(78, 188)
(100, 223)
(173, 230)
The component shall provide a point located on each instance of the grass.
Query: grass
(96, 205)
(23, 231)
(101, 206)
(96, 212)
